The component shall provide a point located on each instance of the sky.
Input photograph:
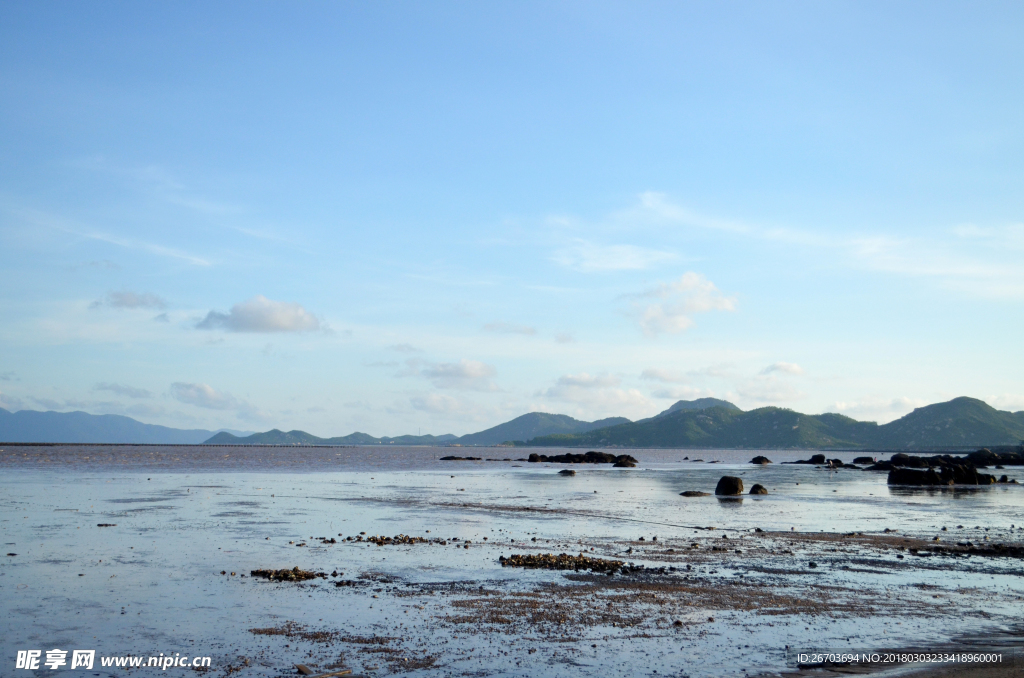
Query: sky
(434, 217)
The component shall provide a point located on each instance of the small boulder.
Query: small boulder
(760, 460)
(624, 463)
(864, 460)
(817, 459)
(694, 493)
(758, 489)
(729, 486)
(567, 472)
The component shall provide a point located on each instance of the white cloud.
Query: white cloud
(131, 300)
(564, 338)
(678, 300)
(588, 257)
(507, 328)
(203, 395)
(1006, 401)
(128, 391)
(404, 348)
(260, 314)
(465, 375)
(783, 368)
(663, 375)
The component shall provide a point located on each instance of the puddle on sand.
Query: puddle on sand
(152, 583)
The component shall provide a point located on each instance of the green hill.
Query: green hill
(963, 422)
(959, 422)
(535, 424)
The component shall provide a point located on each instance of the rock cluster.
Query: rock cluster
(588, 458)
(397, 539)
(1006, 456)
(294, 574)
(563, 561)
(946, 475)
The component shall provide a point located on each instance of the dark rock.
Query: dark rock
(903, 476)
(567, 472)
(760, 460)
(563, 561)
(816, 459)
(694, 493)
(624, 464)
(461, 459)
(729, 486)
(1003, 479)
(758, 489)
(591, 457)
(864, 460)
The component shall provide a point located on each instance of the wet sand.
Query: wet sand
(410, 577)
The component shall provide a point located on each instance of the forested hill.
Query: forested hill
(962, 422)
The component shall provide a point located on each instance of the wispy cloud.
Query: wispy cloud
(127, 391)
(10, 402)
(508, 328)
(130, 300)
(465, 375)
(588, 257)
(877, 408)
(436, 403)
(597, 395)
(209, 398)
(783, 368)
(682, 393)
(260, 314)
(664, 375)
(677, 302)
(203, 395)
(404, 348)
(972, 259)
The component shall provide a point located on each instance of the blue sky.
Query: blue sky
(392, 217)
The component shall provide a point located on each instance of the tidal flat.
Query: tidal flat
(415, 575)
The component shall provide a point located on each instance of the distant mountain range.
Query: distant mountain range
(706, 422)
(30, 426)
(961, 422)
(521, 428)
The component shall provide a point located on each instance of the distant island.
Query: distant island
(961, 423)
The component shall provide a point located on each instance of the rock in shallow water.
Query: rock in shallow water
(758, 489)
(729, 486)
